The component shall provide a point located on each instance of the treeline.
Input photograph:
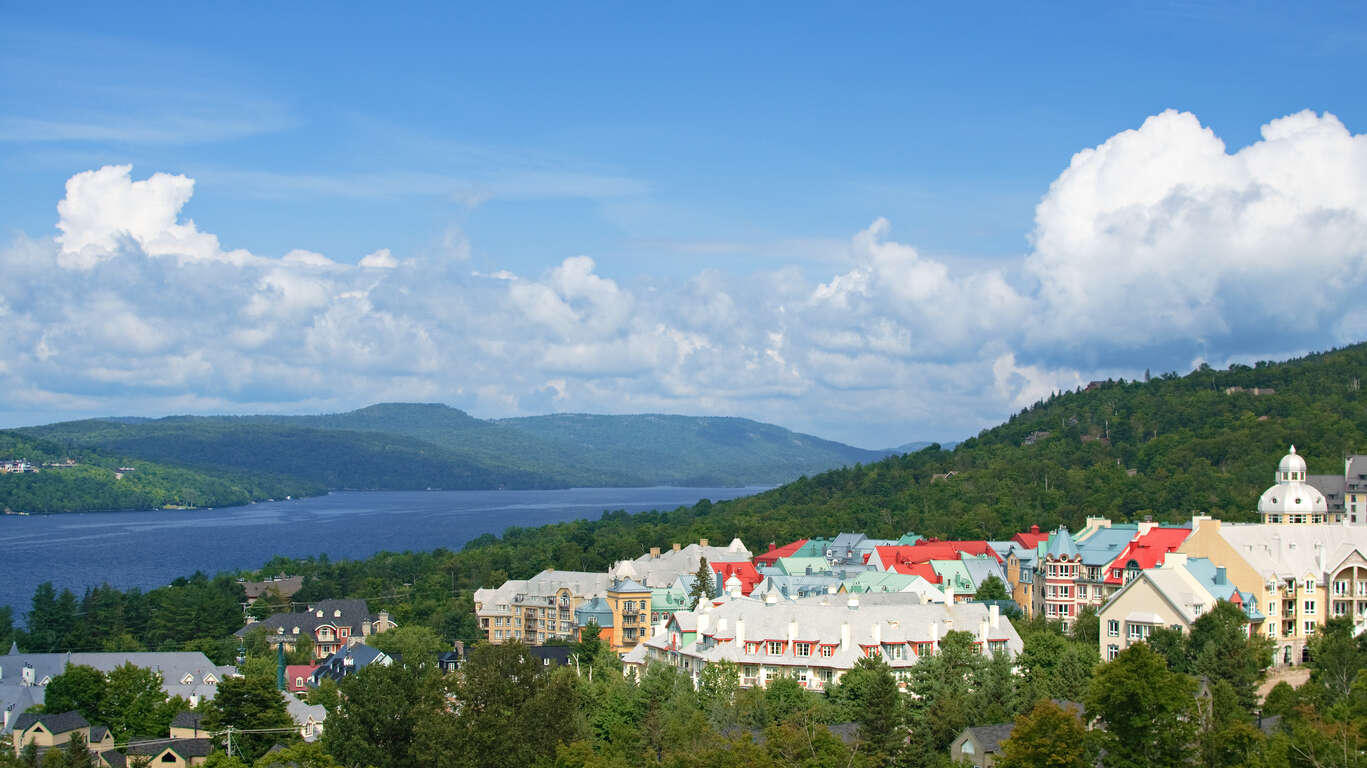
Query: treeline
(96, 484)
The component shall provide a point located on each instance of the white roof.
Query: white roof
(1294, 551)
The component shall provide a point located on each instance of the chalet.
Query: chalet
(332, 625)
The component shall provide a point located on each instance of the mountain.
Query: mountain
(918, 445)
(417, 446)
(1207, 442)
(82, 479)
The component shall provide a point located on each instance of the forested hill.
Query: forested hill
(1167, 447)
(76, 479)
(418, 446)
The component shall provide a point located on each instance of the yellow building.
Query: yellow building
(538, 609)
(630, 604)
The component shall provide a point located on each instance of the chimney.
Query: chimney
(994, 615)
(1173, 560)
(1147, 525)
(654, 552)
(852, 603)
(830, 589)
(1277, 545)
(1034, 528)
(676, 547)
(1220, 577)
(740, 634)
(702, 542)
(845, 636)
(792, 630)
(703, 621)
(983, 627)
(772, 546)
(877, 633)
(721, 625)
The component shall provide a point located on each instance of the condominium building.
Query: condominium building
(538, 609)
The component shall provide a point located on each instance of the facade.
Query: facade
(48, 731)
(630, 606)
(980, 746)
(1173, 595)
(538, 609)
(331, 624)
(1299, 574)
(1292, 500)
(816, 640)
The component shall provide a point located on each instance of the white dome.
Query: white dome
(1292, 497)
(1292, 467)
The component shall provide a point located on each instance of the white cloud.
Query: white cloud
(1157, 247)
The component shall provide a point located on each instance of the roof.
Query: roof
(596, 610)
(1104, 545)
(799, 566)
(1147, 550)
(1031, 538)
(1280, 552)
(787, 550)
(628, 585)
(186, 748)
(331, 613)
(746, 572)
(1062, 546)
(58, 723)
(186, 720)
(925, 551)
(990, 737)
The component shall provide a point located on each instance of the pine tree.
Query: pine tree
(702, 584)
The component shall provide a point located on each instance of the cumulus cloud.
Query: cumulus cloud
(1154, 248)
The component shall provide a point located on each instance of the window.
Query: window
(298, 682)
(775, 647)
(802, 649)
(1340, 588)
(1112, 651)
(752, 647)
(1271, 630)
(828, 650)
(1310, 607)
(169, 757)
(1309, 627)
(1113, 628)
(1309, 586)
(1272, 608)
(897, 652)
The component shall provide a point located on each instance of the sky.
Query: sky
(875, 222)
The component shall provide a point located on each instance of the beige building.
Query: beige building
(538, 609)
(1300, 575)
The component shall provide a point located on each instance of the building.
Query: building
(980, 745)
(281, 586)
(659, 569)
(538, 609)
(46, 731)
(24, 676)
(330, 624)
(1299, 574)
(1292, 500)
(1173, 595)
(816, 640)
(307, 717)
(348, 660)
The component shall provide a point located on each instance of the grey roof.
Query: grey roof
(113, 758)
(990, 737)
(336, 666)
(596, 610)
(186, 748)
(58, 723)
(186, 720)
(1106, 544)
(335, 613)
(981, 568)
(629, 585)
(97, 733)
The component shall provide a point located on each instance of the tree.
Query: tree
(80, 688)
(78, 753)
(717, 686)
(868, 695)
(302, 754)
(1146, 708)
(590, 645)
(134, 703)
(1220, 648)
(413, 645)
(249, 704)
(992, 588)
(1046, 737)
(702, 584)
(374, 723)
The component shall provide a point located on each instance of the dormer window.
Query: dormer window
(320, 614)
(337, 614)
(188, 679)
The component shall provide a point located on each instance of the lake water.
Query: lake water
(149, 549)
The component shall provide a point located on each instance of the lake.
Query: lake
(148, 549)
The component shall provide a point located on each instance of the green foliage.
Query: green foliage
(246, 704)
(134, 703)
(992, 588)
(702, 584)
(79, 688)
(1046, 737)
(868, 695)
(414, 646)
(1146, 710)
(374, 723)
(301, 754)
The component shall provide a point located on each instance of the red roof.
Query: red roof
(1032, 538)
(293, 671)
(746, 572)
(1147, 551)
(771, 557)
(925, 551)
(924, 570)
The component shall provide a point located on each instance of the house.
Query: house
(308, 717)
(744, 572)
(1173, 595)
(186, 725)
(297, 677)
(348, 661)
(24, 676)
(816, 640)
(774, 553)
(282, 586)
(48, 730)
(172, 753)
(980, 745)
(331, 624)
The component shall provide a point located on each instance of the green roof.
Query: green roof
(797, 566)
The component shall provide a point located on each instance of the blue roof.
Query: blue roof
(628, 585)
(1207, 573)
(1061, 545)
(1106, 544)
(596, 610)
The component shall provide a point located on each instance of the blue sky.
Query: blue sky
(855, 221)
